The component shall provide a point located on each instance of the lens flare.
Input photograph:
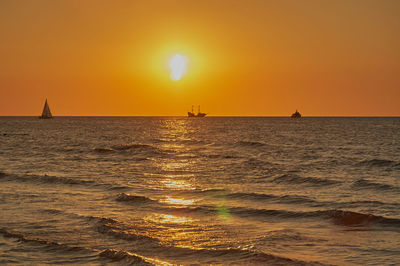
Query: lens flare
(178, 67)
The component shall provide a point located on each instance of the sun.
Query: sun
(178, 66)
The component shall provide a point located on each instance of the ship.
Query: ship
(296, 114)
(46, 114)
(199, 114)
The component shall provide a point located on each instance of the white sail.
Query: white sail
(46, 111)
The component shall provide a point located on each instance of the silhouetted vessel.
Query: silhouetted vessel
(199, 114)
(46, 114)
(296, 114)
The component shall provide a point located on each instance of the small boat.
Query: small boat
(199, 114)
(46, 114)
(296, 115)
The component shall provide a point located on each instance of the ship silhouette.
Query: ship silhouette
(296, 114)
(199, 114)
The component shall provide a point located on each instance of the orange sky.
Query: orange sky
(326, 58)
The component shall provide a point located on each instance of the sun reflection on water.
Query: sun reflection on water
(179, 225)
(168, 218)
(177, 184)
(178, 201)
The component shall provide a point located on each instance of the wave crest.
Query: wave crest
(133, 198)
(122, 230)
(47, 179)
(250, 144)
(379, 163)
(365, 184)
(24, 238)
(297, 180)
(339, 217)
(118, 255)
(284, 199)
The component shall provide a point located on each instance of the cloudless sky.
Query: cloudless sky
(325, 58)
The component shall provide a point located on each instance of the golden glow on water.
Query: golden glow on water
(177, 184)
(173, 146)
(175, 166)
(168, 218)
(178, 201)
(183, 232)
(175, 227)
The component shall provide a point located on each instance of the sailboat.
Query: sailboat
(199, 114)
(46, 114)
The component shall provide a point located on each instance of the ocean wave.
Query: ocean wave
(339, 217)
(123, 147)
(122, 230)
(129, 232)
(291, 199)
(349, 218)
(297, 180)
(363, 203)
(103, 150)
(262, 197)
(212, 191)
(365, 184)
(287, 235)
(133, 232)
(24, 238)
(250, 144)
(221, 156)
(203, 256)
(13, 134)
(133, 198)
(46, 179)
(241, 256)
(128, 257)
(112, 254)
(379, 163)
(135, 148)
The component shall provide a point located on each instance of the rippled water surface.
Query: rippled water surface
(154, 190)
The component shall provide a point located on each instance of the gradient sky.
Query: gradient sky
(325, 58)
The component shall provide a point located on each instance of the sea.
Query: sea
(199, 191)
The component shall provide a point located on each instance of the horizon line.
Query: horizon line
(272, 116)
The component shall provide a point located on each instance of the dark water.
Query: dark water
(137, 190)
